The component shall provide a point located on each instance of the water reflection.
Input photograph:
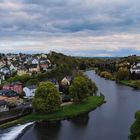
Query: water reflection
(47, 130)
(80, 121)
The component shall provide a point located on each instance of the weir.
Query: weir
(13, 132)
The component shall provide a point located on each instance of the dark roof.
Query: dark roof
(135, 67)
(32, 66)
(16, 83)
(4, 68)
(13, 83)
(8, 93)
(3, 102)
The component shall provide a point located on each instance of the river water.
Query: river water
(111, 121)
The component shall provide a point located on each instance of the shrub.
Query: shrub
(136, 84)
(106, 75)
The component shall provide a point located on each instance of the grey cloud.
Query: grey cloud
(37, 19)
(73, 16)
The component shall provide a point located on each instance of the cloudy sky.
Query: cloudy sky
(73, 27)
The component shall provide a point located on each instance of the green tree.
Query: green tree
(135, 128)
(91, 86)
(47, 98)
(32, 82)
(79, 90)
(24, 78)
(122, 74)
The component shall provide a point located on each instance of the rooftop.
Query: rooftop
(8, 93)
(3, 102)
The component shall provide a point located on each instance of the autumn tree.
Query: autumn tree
(122, 74)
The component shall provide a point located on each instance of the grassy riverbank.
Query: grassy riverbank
(132, 83)
(65, 112)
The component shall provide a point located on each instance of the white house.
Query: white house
(5, 70)
(135, 68)
(65, 81)
(3, 106)
(29, 90)
(13, 68)
(35, 61)
(2, 78)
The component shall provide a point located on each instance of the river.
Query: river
(111, 121)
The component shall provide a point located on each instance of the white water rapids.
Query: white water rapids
(13, 132)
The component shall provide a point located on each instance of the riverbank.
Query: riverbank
(108, 76)
(65, 112)
(132, 83)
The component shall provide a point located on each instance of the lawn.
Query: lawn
(132, 83)
(68, 111)
(65, 112)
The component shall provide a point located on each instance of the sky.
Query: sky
(95, 28)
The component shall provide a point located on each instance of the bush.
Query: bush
(47, 98)
(12, 102)
(136, 84)
(106, 75)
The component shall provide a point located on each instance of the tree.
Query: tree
(24, 78)
(122, 74)
(79, 90)
(32, 82)
(91, 86)
(47, 98)
(106, 75)
(135, 128)
(82, 66)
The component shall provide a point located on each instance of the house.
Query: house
(29, 90)
(33, 68)
(44, 67)
(5, 71)
(15, 86)
(35, 61)
(6, 94)
(3, 106)
(135, 68)
(13, 68)
(45, 64)
(2, 78)
(65, 81)
(2, 64)
(21, 72)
